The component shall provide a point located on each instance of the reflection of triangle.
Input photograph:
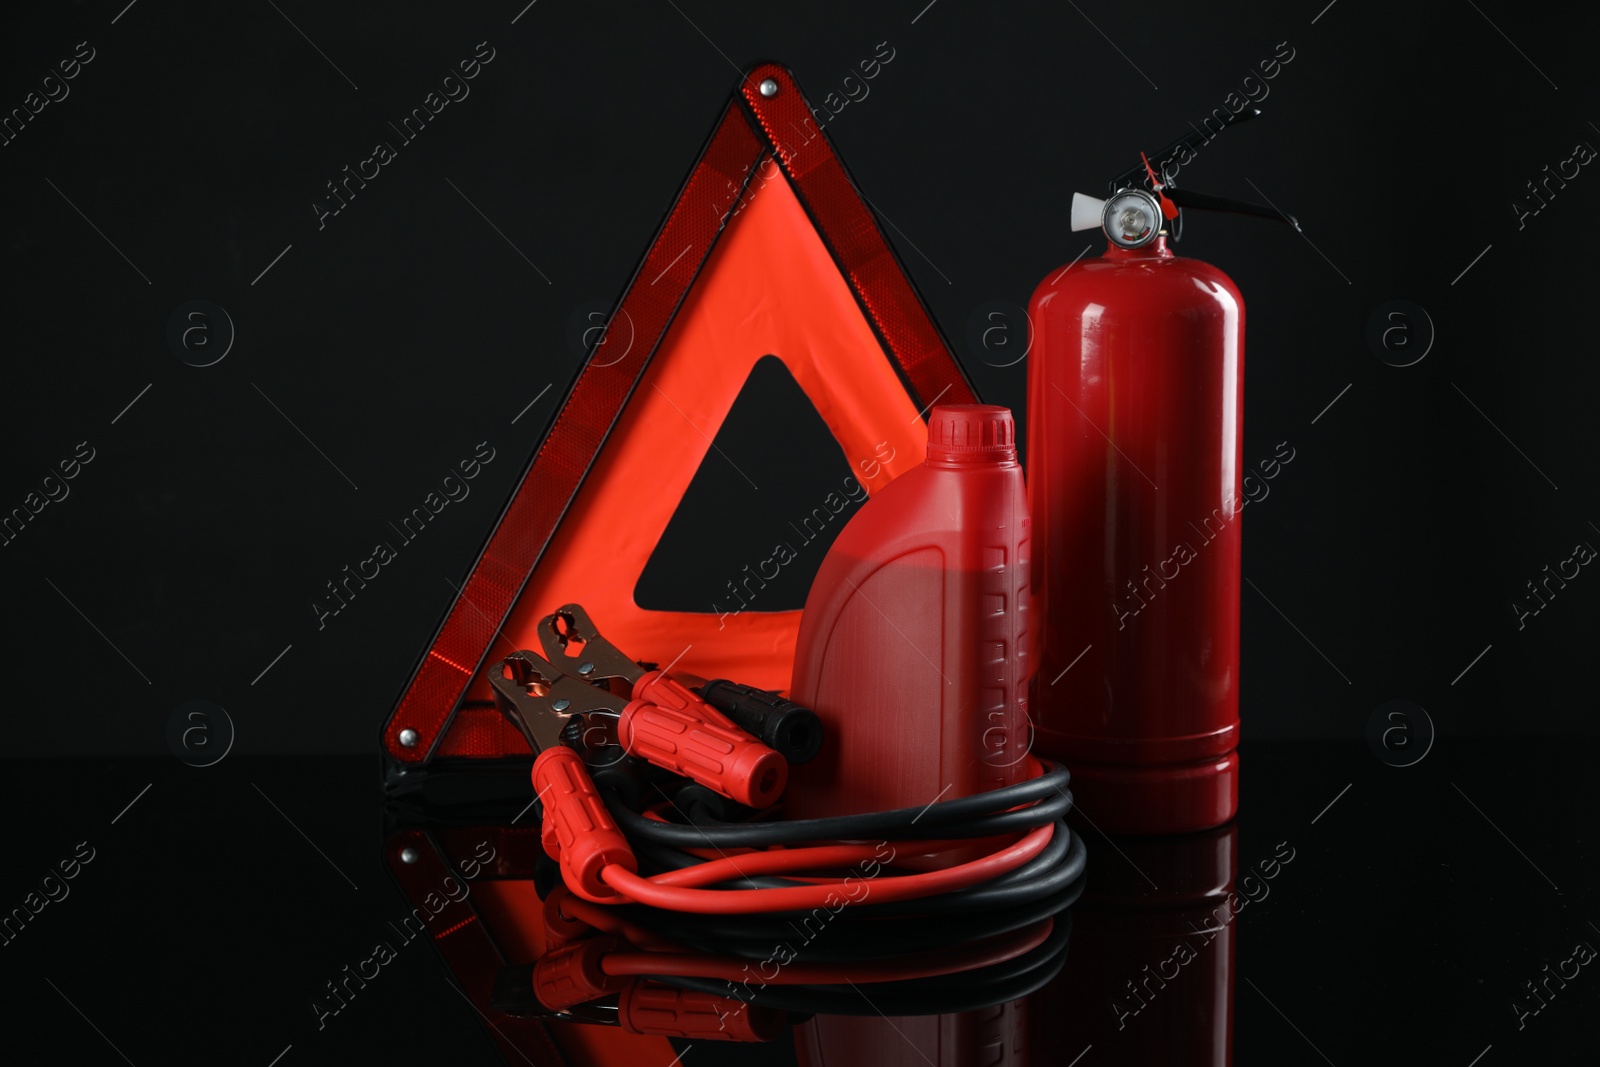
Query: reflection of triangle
(768, 249)
(758, 515)
(499, 924)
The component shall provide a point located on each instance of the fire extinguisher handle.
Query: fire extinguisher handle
(1206, 202)
(647, 1007)
(1154, 172)
(577, 825)
(706, 748)
(793, 730)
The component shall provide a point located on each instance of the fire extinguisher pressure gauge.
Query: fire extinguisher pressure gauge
(1132, 218)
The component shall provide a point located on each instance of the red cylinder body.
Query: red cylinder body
(1135, 402)
(914, 645)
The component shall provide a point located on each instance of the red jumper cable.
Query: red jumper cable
(686, 736)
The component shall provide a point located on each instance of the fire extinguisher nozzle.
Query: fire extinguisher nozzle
(1087, 212)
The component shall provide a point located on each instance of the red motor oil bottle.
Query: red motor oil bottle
(1135, 456)
(914, 644)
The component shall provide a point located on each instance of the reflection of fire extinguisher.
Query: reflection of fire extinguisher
(988, 1037)
(1134, 463)
(1151, 979)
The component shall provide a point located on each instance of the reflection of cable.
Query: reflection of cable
(967, 991)
(926, 964)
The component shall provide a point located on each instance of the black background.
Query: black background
(408, 329)
(411, 328)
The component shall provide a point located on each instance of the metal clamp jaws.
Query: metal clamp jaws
(662, 720)
(541, 701)
(569, 637)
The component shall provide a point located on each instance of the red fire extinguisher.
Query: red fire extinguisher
(1135, 434)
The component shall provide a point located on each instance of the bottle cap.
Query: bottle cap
(971, 433)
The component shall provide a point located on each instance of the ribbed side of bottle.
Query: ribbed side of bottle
(1004, 640)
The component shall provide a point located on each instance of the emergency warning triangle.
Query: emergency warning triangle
(769, 250)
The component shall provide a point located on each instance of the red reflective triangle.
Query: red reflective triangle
(769, 249)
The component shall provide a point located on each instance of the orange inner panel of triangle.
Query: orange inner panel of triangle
(769, 287)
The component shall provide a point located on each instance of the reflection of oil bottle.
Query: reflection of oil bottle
(1151, 974)
(993, 1037)
(913, 649)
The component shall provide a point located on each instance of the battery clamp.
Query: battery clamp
(650, 863)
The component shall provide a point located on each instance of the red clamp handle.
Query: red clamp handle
(587, 840)
(573, 975)
(663, 690)
(646, 1007)
(547, 832)
(690, 738)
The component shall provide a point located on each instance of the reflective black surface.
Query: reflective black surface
(179, 501)
(1378, 914)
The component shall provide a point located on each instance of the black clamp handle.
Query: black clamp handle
(781, 724)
